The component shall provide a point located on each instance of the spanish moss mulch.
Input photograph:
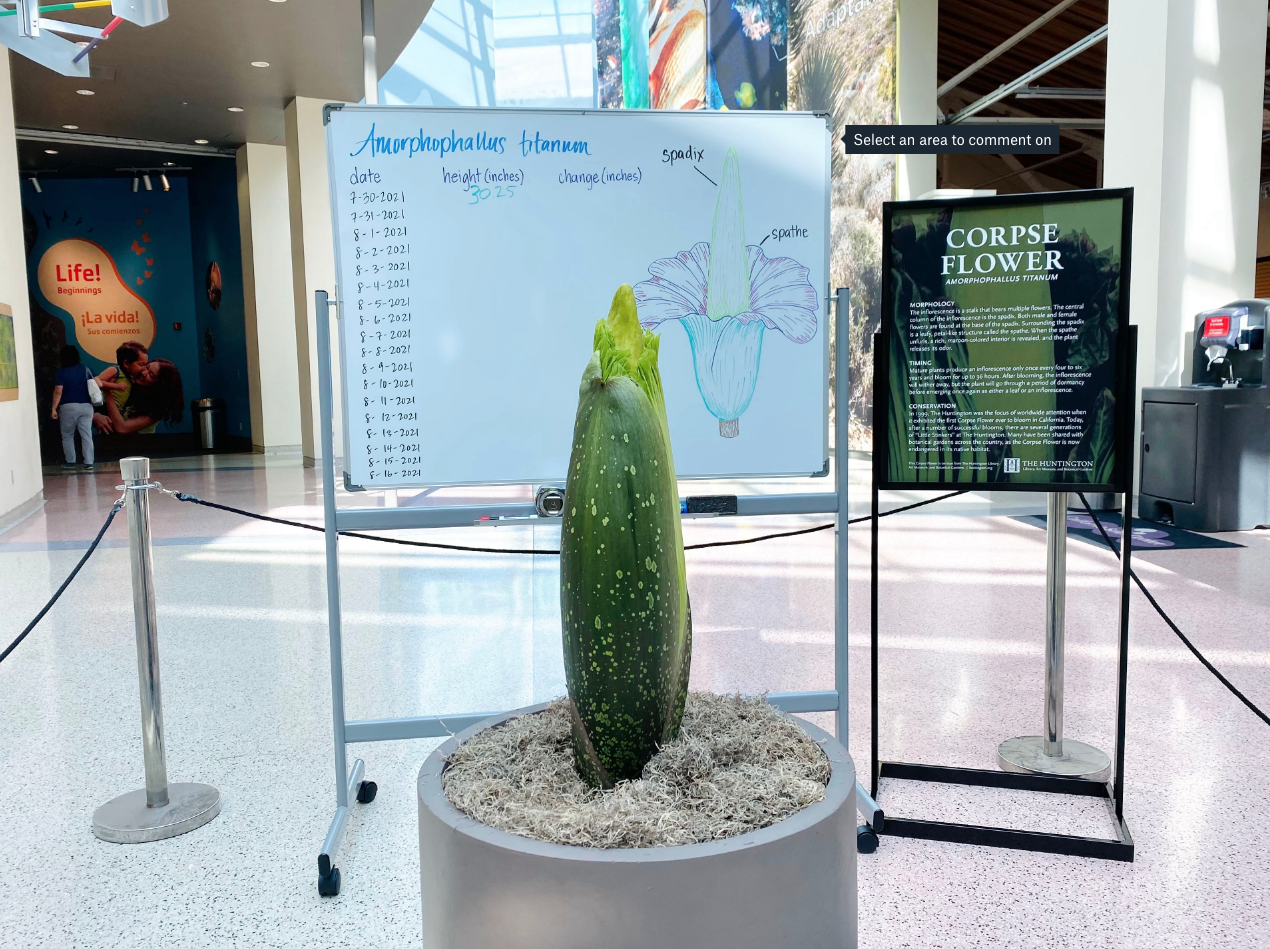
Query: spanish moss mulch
(737, 766)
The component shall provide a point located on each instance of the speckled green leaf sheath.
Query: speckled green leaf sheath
(627, 634)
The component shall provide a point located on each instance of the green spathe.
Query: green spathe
(623, 590)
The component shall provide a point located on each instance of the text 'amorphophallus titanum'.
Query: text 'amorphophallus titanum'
(623, 589)
(726, 293)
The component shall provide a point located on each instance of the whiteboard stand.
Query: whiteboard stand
(350, 782)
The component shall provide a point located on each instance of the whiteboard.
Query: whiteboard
(477, 248)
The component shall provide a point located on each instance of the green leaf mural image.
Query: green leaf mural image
(633, 17)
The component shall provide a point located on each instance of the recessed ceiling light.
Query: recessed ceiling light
(200, 141)
(71, 127)
(260, 64)
(277, 1)
(234, 108)
(50, 151)
(85, 92)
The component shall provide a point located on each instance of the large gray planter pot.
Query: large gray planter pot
(789, 885)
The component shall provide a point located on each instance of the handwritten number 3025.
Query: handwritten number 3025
(499, 191)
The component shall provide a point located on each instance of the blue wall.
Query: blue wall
(214, 237)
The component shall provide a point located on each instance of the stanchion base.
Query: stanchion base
(1027, 756)
(127, 820)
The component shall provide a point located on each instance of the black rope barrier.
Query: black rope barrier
(192, 499)
(1128, 532)
(65, 583)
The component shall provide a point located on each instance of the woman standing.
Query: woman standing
(72, 407)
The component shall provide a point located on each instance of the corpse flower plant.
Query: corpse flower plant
(626, 619)
(726, 294)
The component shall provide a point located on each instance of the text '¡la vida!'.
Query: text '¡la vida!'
(374, 145)
(114, 316)
(1021, 261)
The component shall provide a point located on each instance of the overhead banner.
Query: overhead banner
(1004, 343)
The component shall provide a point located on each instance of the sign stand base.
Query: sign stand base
(1027, 756)
(127, 819)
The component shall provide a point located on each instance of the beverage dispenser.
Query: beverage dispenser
(1206, 446)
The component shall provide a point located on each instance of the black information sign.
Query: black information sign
(1004, 343)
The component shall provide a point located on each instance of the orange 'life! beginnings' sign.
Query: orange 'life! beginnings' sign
(81, 278)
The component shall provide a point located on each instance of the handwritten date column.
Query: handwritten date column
(383, 336)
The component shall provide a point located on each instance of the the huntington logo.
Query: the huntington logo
(1010, 466)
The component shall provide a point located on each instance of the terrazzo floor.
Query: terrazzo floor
(247, 709)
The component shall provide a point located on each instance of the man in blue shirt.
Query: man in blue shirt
(72, 407)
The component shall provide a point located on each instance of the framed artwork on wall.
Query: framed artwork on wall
(8, 356)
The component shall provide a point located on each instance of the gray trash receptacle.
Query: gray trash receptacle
(209, 421)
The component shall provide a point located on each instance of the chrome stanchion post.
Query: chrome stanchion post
(136, 477)
(1050, 753)
(1055, 619)
(159, 810)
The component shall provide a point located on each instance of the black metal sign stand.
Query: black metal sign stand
(1112, 791)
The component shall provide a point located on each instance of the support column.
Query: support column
(1184, 91)
(312, 259)
(264, 220)
(21, 482)
(917, 53)
(370, 70)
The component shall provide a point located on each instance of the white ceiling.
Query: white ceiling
(175, 81)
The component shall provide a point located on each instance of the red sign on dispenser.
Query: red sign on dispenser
(1216, 327)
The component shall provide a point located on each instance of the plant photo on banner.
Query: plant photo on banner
(842, 61)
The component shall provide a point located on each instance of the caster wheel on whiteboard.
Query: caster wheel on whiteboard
(329, 884)
(866, 840)
(366, 792)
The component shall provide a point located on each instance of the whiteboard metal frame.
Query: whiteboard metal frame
(347, 780)
(477, 110)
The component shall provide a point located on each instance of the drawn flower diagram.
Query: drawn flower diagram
(726, 294)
